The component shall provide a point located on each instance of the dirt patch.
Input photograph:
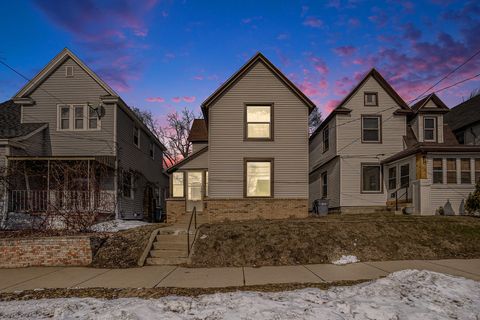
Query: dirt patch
(323, 240)
(155, 293)
(122, 249)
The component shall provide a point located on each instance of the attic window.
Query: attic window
(371, 98)
(69, 71)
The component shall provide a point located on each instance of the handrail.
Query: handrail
(192, 217)
(404, 194)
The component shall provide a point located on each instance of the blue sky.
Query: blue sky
(165, 55)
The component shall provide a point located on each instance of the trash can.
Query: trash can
(320, 207)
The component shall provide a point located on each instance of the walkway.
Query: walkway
(172, 276)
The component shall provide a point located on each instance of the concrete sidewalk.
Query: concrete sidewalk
(171, 276)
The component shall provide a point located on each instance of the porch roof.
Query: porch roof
(426, 148)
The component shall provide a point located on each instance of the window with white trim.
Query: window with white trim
(371, 178)
(437, 170)
(92, 118)
(178, 187)
(77, 117)
(371, 129)
(429, 129)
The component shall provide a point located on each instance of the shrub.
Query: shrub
(472, 205)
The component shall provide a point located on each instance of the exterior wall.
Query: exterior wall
(316, 154)
(247, 209)
(197, 146)
(353, 152)
(138, 160)
(439, 126)
(175, 209)
(200, 162)
(81, 88)
(55, 251)
(333, 176)
(227, 148)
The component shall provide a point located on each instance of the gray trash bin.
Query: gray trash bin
(320, 207)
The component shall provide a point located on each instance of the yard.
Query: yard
(326, 239)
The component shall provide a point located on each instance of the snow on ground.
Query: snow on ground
(117, 225)
(408, 294)
(346, 260)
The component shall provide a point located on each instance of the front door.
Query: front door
(195, 190)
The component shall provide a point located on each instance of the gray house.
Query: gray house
(69, 142)
(464, 119)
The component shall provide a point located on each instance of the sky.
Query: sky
(166, 55)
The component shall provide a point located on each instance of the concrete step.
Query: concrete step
(165, 261)
(169, 245)
(170, 238)
(168, 253)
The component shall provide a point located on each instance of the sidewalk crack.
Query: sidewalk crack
(176, 267)
(316, 275)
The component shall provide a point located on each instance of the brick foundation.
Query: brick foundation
(247, 209)
(53, 251)
(175, 209)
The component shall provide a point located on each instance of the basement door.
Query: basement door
(194, 190)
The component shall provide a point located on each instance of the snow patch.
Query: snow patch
(346, 260)
(117, 225)
(408, 294)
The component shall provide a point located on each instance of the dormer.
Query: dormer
(427, 120)
(198, 135)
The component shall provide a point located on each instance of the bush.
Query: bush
(472, 205)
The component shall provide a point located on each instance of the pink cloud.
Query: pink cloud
(313, 22)
(345, 50)
(189, 99)
(176, 99)
(199, 77)
(319, 65)
(330, 105)
(155, 99)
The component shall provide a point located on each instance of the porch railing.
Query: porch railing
(70, 200)
(193, 218)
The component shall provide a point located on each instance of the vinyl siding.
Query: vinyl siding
(316, 153)
(353, 152)
(315, 187)
(36, 145)
(200, 162)
(132, 158)
(81, 88)
(197, 146)
(227, 149)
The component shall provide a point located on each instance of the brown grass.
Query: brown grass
(323, 240)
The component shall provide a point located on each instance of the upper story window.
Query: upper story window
(77, 117)
(152, 150)
(69, 71)
(371, 129)
(258, 178)
(326, 137)
(136, 136)
(429, 129)
(371, 98)
(258, 122)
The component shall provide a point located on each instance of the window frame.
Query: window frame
(136, 129)
(464, 171)
(59, 117)
(441, 170)
(365, 94)
(324, 177)
(183, 185)
(434, 129)
(245, 180)
(371, 164)
(245, 122)
(379, 119)
(72, 117)
(456, 173)
(325, 132)
(407, 184)
(477, 169)
(390, 178)
(75, 118)
(151, 151)
(130, 185)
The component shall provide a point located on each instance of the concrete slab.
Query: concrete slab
(392, 266)
(145, 277)
(203, 278)
(467, 265)
(11, 277)
(356, 271)
(64, 278)
(280, 274)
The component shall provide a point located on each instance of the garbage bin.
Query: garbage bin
(320, 207)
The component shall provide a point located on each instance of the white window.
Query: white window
(136, 136)
(178, 187)
(77, 117)
(371, 178)
(371, 129)
(152, 150)
(69, 71)
(259, 122)
(64, 117)
(127, 184)
(92, 118)
(429, 129)
(371, 99)
(258, 178)
(326, 137)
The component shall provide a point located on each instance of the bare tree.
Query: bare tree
(314, 120)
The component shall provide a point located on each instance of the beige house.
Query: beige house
(374, 152)
(250, 153)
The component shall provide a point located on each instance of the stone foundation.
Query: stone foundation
(53, 251)
(247, 209)
(175, 209)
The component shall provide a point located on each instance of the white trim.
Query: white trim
(71, 117)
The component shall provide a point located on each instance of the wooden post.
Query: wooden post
(48, 185)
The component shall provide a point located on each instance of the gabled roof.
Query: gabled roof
(198, 132)
(404, 108)
(258, 57)
(52, 66)
(441, 107)
(10, 124)
(464, 114)
(187, 159)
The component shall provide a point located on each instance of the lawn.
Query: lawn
(323, 240)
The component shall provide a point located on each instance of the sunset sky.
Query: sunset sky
(165, 55)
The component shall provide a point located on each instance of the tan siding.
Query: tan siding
(200, 162)
(315, 188)
(316, 153)
(289, 148)
(81, 88)
(197, 146)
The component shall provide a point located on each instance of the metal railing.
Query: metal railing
(194, 218)
(397, 197)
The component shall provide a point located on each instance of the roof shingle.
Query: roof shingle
(10, 124)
